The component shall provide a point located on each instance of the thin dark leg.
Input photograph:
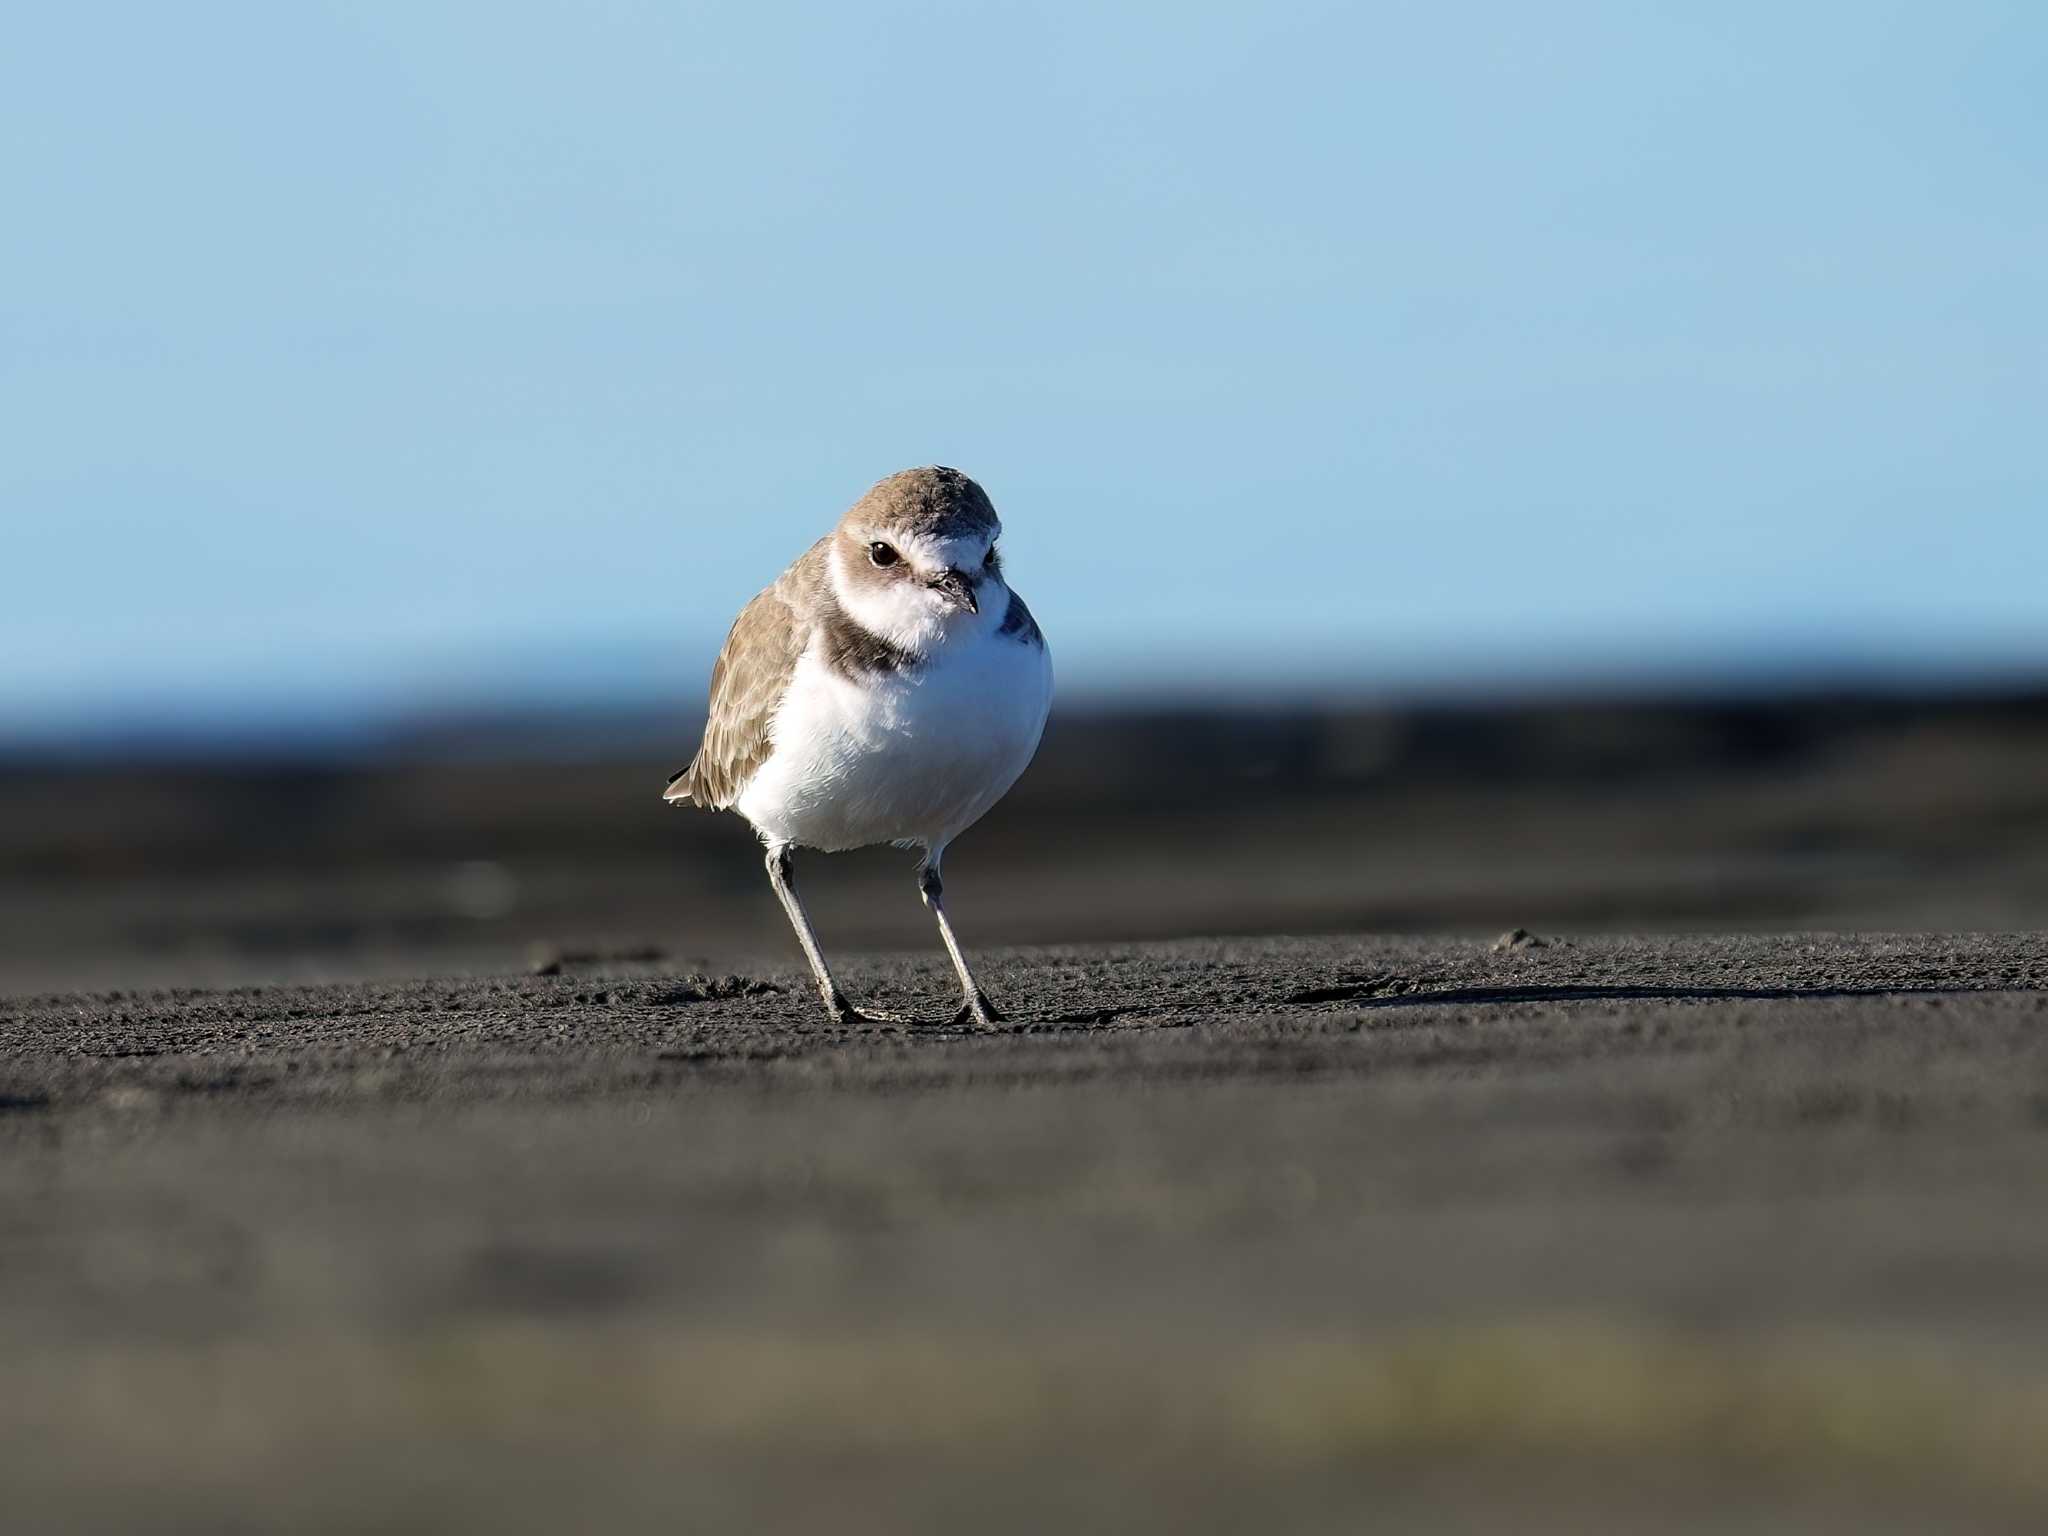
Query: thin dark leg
(782, 875)
(976, 1007)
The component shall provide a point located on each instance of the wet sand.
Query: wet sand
(1641, 1232)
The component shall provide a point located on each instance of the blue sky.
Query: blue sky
(376, 353)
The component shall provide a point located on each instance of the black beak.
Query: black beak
(959, 586)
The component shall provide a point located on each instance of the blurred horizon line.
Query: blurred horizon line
(587, 711)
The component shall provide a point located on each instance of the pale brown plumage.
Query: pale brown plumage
(934, 500)
(747, 684)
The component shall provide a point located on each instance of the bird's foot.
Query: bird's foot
(979, 1012)
(845, 1013)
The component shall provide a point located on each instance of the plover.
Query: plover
(888, 688)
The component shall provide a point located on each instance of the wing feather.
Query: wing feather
(748, 682)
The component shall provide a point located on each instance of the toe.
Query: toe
(980, 1012)
(848, 1014)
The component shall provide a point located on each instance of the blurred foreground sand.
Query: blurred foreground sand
(1648, 1234)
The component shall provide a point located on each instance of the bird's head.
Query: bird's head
(915, 560)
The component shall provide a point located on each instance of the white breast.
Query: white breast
(916, 756)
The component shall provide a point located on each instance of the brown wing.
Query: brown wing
(747, 684)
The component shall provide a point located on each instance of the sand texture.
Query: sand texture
(1628, 1232)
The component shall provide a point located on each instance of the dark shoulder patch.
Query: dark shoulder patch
(1019, 625)
(854, 651)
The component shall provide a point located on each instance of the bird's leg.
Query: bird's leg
(976, 1008)
(782, 875)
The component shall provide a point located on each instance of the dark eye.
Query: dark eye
(883, 554)
(990, 557)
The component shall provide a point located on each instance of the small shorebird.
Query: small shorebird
(888, 688)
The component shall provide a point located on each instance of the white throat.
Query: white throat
(910, 615)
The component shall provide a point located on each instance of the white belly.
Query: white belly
(914, 757)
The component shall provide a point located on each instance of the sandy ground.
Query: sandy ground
(1619, 1232)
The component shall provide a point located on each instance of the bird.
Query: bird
(888, 687)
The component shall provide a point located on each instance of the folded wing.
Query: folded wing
(748, 682)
